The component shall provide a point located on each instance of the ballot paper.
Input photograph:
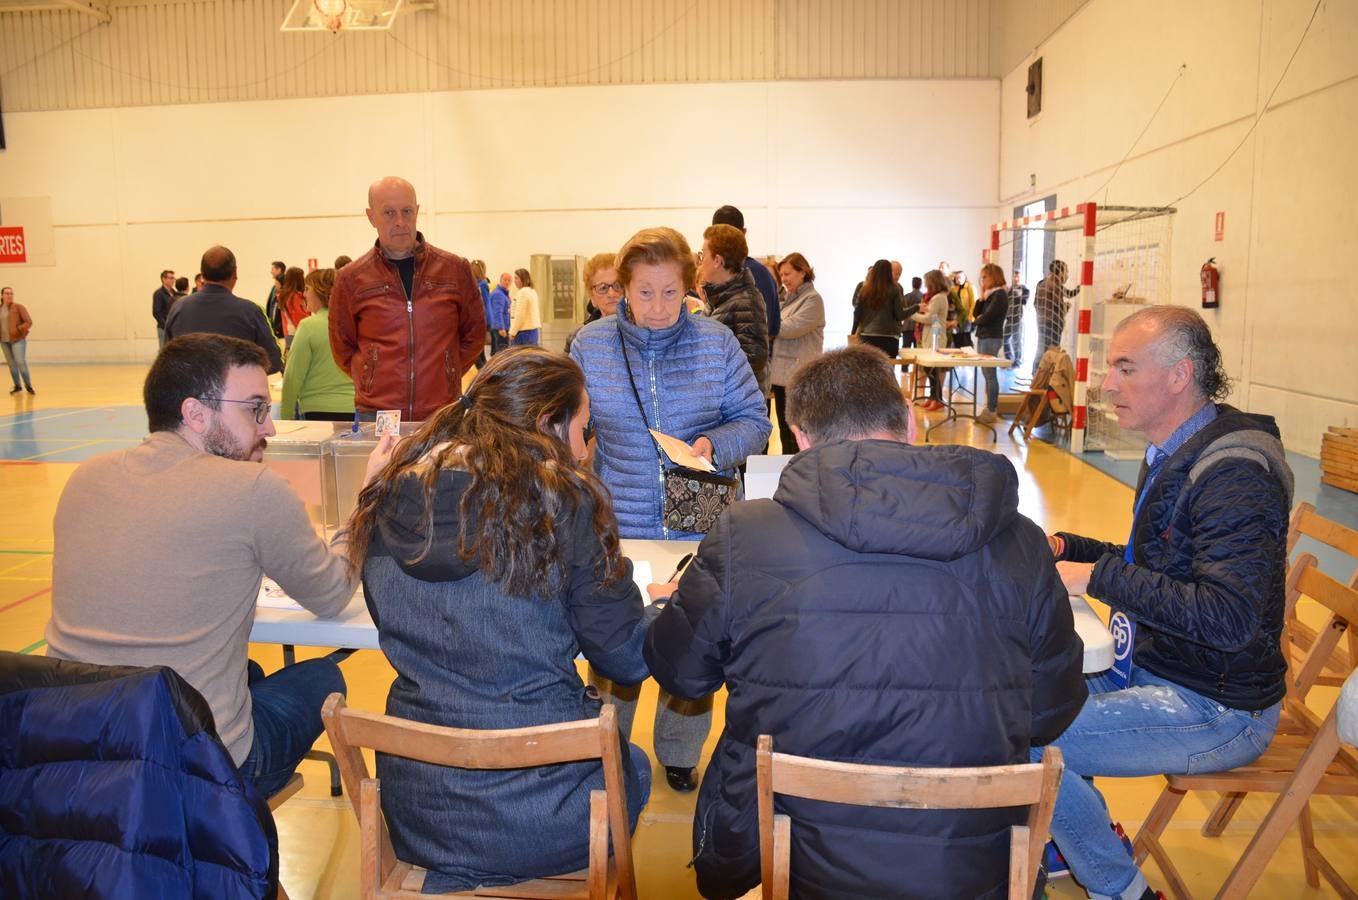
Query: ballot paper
(641, 576)
(271, 596)
(679, 453)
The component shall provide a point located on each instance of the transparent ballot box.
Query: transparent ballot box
(297, 453)
(346, 455)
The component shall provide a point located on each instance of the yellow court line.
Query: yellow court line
(64, 449)
(25, 578)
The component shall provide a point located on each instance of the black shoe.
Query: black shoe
(30, 390)
(16, 390)
(682, 779)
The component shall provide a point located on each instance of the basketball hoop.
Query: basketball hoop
(331, 13)
(341, 15)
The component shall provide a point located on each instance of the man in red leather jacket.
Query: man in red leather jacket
(406, 318)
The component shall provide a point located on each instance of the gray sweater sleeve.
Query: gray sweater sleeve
(291, 553)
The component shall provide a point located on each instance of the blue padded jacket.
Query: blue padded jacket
(694, 381)
(113, 784)
(889, 606)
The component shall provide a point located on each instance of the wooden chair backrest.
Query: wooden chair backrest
(904, 787)
(1306, 521)
(1298, 637)
(350, 730)
(1341, 602)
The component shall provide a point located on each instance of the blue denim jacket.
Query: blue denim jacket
(468, 655)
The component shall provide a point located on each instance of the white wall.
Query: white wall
(1288, 322)
(837, 170)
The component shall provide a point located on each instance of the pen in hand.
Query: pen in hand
(661, 592)
(683, 564)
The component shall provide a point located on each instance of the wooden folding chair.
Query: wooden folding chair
(1033, 785)
(1306, 522)
(1304, 760)
(382, 875)
(1033, 402)
(1298, 638)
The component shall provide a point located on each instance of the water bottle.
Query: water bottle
(935, 336)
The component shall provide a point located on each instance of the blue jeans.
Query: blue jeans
(527, 337)
(991, 347)
(16, 357)
(287, 717)
(1153, 727)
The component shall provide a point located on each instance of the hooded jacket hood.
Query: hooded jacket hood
(878, 496)
(1245, 435)
(401, 530)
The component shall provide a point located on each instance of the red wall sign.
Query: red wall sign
(1221, 225)
(12, 246)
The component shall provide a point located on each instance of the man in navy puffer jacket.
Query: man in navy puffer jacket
(1202, 577)
(888, 606)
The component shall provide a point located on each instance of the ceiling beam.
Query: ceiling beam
(96, 8)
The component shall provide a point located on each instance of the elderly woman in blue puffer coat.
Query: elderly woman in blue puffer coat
(693, 379)
(694, 383)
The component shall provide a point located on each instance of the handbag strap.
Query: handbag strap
(636, 395)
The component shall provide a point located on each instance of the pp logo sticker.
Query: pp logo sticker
(1124, 637)
(1123, 631)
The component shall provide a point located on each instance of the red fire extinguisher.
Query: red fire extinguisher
(1210, 276)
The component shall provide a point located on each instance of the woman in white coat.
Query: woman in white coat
(525, 316)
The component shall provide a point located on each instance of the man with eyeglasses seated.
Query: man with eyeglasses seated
(214, 309)
(161, 548)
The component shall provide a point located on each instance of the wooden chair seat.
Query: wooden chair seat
(1304, 758)
(406, 882)
(382, 875)
(1298, 639)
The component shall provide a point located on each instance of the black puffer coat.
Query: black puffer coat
(739, 306)
(1210, 550)
(888, 606)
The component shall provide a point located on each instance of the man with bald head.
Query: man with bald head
(214, 309)
(406, 318)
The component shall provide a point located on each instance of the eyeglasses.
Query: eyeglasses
(607, 287)
(260, 407)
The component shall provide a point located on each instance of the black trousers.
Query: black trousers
(778, 402)
(889, 345)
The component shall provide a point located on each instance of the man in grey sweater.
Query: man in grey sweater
(160, 551)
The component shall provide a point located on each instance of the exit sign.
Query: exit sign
(13, 249)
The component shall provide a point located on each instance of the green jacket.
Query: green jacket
(311, 376)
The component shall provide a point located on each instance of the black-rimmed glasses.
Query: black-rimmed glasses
(260, 407)
(607, 287)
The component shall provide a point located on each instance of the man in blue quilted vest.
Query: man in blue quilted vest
(1201, 577)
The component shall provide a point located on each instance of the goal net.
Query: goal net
(1114, 259)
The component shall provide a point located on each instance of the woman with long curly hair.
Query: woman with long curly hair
(490, 559)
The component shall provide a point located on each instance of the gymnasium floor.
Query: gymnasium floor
(83, 410)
